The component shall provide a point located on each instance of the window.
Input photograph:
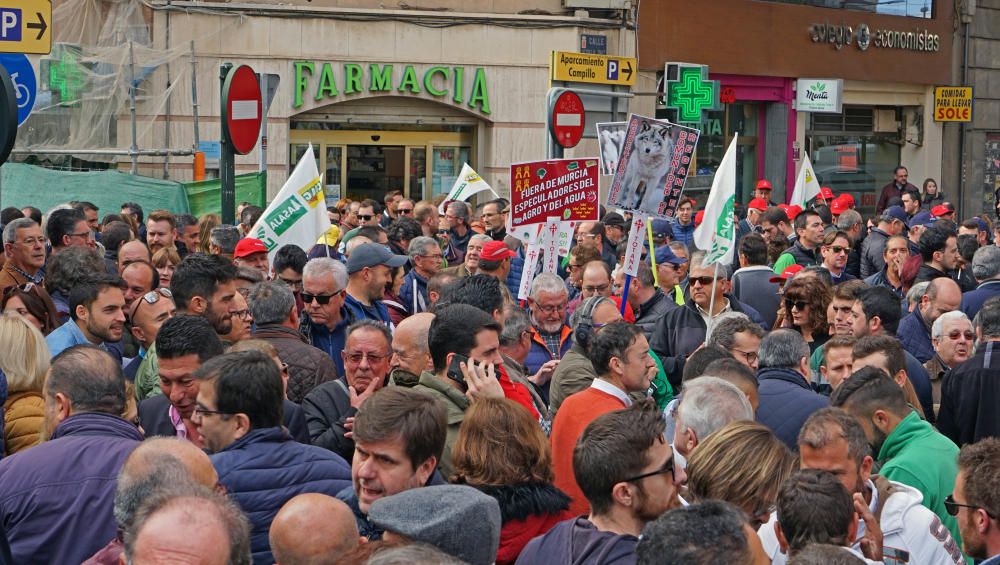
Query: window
(909, 8)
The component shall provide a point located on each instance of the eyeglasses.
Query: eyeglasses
(671, 266)
(571, 266)
(86, 234)
(954, 335)
(800, 304)
(23, 288)
(602, 288)
(364, 217)
(580, 236)
(404, 211)
(952, 507)
(199, 411)
(837, 249)
(551, 309)
(751, 356)
(357, 358)
(242, 314)
(322, 299)
(703, 281)
(296, 284)
(151, 297)
(667, 467)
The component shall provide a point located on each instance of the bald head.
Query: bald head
(195, 461)
(313, 529)
(943, 295)
(184, 530)
(130, 251)
(409, 344)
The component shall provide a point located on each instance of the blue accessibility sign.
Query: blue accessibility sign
(25, 85)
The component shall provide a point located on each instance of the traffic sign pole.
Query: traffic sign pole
(8, 117)
(227, 159)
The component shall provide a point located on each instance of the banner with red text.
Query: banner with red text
(563, 188)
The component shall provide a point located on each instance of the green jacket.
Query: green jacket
(455, 404)
(147, 377)
(915, 454)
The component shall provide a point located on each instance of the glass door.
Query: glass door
(333, 168)
(416, 167)
(446, 166)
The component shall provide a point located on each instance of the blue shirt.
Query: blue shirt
(69, 334)
(377, 311)
(332, 341)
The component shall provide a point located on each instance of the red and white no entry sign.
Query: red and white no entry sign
(241, 108)
(568, 119)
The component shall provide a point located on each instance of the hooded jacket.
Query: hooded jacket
(905, 524)
(527, 511)
(265, 469)
(786, 402)
(579, 542)
(56, 498)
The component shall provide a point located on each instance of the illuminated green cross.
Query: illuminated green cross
(691, 93)
(66, 77)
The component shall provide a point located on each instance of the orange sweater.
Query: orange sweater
(575, 413)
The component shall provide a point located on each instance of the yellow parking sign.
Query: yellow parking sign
(24, 26)
(595, 69)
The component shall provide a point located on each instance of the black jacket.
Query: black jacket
(327, 408)
(872, 250)
(682, 330)
(970, 394)
(928, 273)
(803, 256)
(786, 402)
(155, 419)
(308, 366)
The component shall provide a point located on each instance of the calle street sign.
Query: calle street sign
(24, 26)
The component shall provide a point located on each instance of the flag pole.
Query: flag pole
(711, 304)
(652, 254)
(628, 283)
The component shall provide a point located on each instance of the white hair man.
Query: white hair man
(953, 339)
(325, 318)
(707, 405)
(551, 338)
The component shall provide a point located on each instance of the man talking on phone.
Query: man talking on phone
(465, 349)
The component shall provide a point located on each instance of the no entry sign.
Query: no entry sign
(241, 109)
(567, 119)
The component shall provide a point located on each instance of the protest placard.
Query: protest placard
(653, 167)
(551, 247)
(611, 136)
(563, 188)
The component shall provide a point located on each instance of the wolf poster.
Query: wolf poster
(653, 166)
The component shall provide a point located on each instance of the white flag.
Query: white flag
(717, 232)
(466, 185)
(297, 215)
(806, 184)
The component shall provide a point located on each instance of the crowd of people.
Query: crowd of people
(173, 392)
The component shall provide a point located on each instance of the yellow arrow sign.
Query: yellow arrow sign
(594, 69)
(25, 26)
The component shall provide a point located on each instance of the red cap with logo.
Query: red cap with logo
(758, 204)
(847, 199)
(941, 210)
(763, 184)
(826, 193)
(793, 211)
(838, 206)
(495, 251)
(249, 246)
(788, 273)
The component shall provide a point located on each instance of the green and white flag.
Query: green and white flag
(468, 184)
(806, 184)
(717, 232)
(297, 215)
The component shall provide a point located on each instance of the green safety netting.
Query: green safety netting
(27, 185)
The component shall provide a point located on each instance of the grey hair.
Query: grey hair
(547, 282)
(419, 245)
(988, 319)
(937, 329)
(481, 237)
(417, 552)
(726, 327)
(590, 304)
(644, 274)
(10, 230)
(271, 302)
(917, 292)
(515, 323)
(72, 266)
(985, 262)
(848, 220)
(372, 326)
(698, 257)
(235, 522)
(326, 267)
(709, 404)
(460, 209)
(225, 237)
(783, 349)
(158, 471)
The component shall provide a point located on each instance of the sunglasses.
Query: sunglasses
(404, 211)
(668, 467)
(799, 304)
(703, 281)
(364, 217)
(952, 507)
(322, 299)
(954, 335)
(151, 297)
(837, 249)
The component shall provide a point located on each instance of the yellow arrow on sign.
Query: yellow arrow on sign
(24, 26)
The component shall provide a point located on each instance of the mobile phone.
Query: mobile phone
(454, 370)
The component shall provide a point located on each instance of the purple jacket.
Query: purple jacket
(56, 498)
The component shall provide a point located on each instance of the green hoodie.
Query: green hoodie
(915, 454)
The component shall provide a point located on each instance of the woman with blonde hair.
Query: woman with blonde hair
(205, 225)
(502, 451)
(24, 359)
(745, 464)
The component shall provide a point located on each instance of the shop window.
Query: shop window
(909, 8)
(447, 164)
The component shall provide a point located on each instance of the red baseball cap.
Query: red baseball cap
(788, 273)
(495, 251)
(763, 184)
(249, 246)
(847, 199)
(758, 204)
(826, 193)
(793, 210)
(698, 216)
(941, 210)
(838, 206)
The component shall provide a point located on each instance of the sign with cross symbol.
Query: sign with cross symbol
(688, 92)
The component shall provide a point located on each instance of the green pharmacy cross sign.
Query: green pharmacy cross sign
(689, 92)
